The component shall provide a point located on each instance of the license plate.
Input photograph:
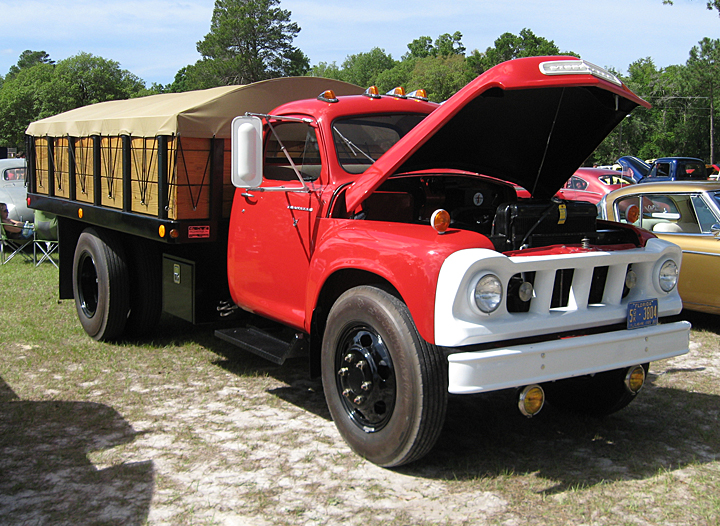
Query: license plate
(642, 314)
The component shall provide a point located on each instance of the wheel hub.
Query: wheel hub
(366, 379)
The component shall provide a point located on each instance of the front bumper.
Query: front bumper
(515, 366)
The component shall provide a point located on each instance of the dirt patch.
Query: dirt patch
(194, 432)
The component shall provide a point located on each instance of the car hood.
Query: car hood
(520, 121)
(634, 167)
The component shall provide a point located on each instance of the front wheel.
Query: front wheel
(385, 386)
(101, 284)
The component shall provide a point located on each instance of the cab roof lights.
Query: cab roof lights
(397, 92)
(373, 92)
(577, 67)
(418, 94)
(328, 96)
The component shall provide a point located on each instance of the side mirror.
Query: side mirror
(247, 154)
(715, 229)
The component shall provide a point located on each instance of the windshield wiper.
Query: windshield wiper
(353, 147)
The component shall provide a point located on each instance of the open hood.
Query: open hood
(530, 121)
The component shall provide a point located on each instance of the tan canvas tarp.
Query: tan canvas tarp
(203, 113)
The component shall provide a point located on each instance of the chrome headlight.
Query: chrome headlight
(668, 275)
(488, 293)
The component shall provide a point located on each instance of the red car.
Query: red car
(591, 184)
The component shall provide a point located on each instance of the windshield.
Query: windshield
(360, 141)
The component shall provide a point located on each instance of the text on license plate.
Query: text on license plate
(642, 313)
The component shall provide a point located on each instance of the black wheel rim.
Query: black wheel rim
(365, 378)
(87, 281)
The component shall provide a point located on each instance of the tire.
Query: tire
(386, 388)
(100, 284)
(146, 287)
(599, 395)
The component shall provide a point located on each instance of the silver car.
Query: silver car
(13, 191)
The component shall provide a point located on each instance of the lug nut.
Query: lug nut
(349, 358)
(344, 371)
(359, 400)
(347, 393)
(366, 386)
(361, 364)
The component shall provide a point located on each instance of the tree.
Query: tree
(445, 46)
(711, 4)
(43, 89)
(22, 100)
(363, 69)
(704, 67)
(249, 40)
(87, 79)
(509, 46)
(29, 59)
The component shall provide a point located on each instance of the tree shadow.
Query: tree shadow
(47, 476)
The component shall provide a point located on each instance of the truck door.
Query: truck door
(271, 229)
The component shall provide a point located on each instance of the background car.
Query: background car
(591, 184)
(13, 191)
(684, 213)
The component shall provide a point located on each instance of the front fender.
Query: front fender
(407, 256)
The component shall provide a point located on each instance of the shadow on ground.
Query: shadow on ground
(485, 436)
(46, 475)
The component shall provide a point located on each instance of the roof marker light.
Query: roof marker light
(577, 67)
(398, 92)
(373, 92)
(328, 96)
(418, 94)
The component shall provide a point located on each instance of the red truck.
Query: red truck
(380, 234)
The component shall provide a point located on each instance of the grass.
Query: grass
(185, 430)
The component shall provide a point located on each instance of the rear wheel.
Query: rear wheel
(386, 387)
(598, 395)
(100, 284)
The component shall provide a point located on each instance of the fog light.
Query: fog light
(630, 279)
(635, 379)
(525, 292)
(531, 400)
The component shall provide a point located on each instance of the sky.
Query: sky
(155, 38)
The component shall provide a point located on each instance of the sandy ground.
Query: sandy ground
(220, 446)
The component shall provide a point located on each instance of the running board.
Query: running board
(277, 346)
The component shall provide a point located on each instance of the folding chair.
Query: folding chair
(45, 240)
(9, 247)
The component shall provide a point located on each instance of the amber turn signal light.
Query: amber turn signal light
(440, 220)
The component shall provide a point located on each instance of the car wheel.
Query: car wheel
(100, 284)
(386, 387)
(598, 395)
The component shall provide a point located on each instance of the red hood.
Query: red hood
(530, 121)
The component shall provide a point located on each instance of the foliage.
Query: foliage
(685, 102)
(249, 41)
(37, 88)
(711, 4)
(509, 46)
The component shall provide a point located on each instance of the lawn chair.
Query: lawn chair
(45, 238)
(9, 247)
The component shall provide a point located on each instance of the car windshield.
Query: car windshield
(360, 141)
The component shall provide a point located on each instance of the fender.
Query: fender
(408, 256)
